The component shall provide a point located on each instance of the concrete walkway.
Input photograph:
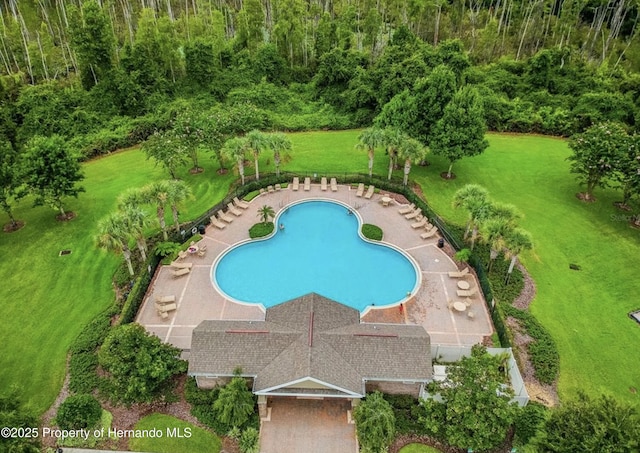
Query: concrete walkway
(197, 299)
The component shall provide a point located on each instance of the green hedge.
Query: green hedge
(372, 232)
(407, 411)
(261, 230)
(136, 296)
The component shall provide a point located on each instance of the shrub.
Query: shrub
(261, 229)
(372, 232)
(79, 411)
(249, 441)
(407, 411)
(528, 421)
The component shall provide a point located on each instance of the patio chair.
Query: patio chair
(360, 190)
(369, 193)
(295, 184)
(224, 217)
(177, 265)
(262, 190)
(420, 223)
(163, 310)
(182, 254)
(181, 272)
(270, 189)
(407, 209)
(467, 292)
(202, 251)
(334, 185)
(429, 234)
(414, 214)
(307, 184)
(217, 223)
(459, 274)
(240, 203)
(323, 184)
(471, 314)
(233, 210)
(278, 187)
(165, 299)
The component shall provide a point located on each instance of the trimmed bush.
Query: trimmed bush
(249, 441)
(529, 421)
(79, 411)
(372, 232)
(261, 229)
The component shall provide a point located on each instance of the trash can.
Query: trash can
(440, 243)
(202, 229)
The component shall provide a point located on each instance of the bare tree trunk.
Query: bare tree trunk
(42, 57)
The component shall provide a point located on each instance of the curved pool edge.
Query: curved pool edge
(282, 210)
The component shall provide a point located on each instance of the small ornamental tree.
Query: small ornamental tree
(51, 172)
(473, 409)
(595, 153)
(627, 170)
(235, 403)
(375, 423)
(140, 366)
(79, 411)
(10, 180)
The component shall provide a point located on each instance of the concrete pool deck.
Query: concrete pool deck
(197, 299)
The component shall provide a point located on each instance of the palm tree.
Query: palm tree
(266, 213)
(236, 149)
(132, 198)
(256, 141)
(135, 221)
(516, 242)
(493, 232)
(179, 191)
(113, 235)
(411, 150)
(475, 200)
(279, 143)
(392, 139)
(158, 193)
(370, 139)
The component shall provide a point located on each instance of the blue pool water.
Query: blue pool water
(318, 251)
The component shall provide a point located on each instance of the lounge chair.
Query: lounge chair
(217, 223)
(224, 217)
(233, 210)
(181, 272)
(163, 310)
(278, 187)
(270, 189)
(241, 203)
(420, 223)
(202, 251)
(429, 234)
(177, 265)
(369, 193)
(295, 184)
(467, 292)
(262, 190)
(165, 299)
(360, 190)
(307, 184)
(182, 254)
(459, 274)
(407, 209)
(323, 183)
(334, 185)
(413, 214)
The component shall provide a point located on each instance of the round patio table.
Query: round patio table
(386, 201)
(463, 284)
(193, 249)
(459, 306)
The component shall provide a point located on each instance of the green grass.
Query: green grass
(372, 232)
(418, 448)
(194, 440)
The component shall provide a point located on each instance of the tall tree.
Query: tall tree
(256, 142)
(460, 131)
(392, 139)
(51, 172)
(280, 145)
(178, 192)
(595, 153)
(135, 221)
(516, 241)
(375, 423)
(235, 403)
(165, 149)
(475, 200)
(188, 129)
(370, 139)
(10, 180)
(236, 150)
(158, 193)
(627, 169)
(412, 151)
(113, 236)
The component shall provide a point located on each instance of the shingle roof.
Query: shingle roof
(311, 337)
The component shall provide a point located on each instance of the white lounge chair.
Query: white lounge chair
(459, 274)
(334, 185)
(224, 217)
(164, 309)
(278, 187)
(369, 193)
(181, 272)
(202, 251)
(413, 214)
(270, 189)
(295, 185)
(217, 223)
(429, 234)
(165, 299)
(323, 183)
(241, 203)
(467, 292)
(420, 223)
(233, 210)
(307, 184)
(407, 209)
(177, 265)
(182, 254)
(360, 190)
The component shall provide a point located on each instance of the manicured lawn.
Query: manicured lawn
(193, 440)
(47, 299)
(418, 448)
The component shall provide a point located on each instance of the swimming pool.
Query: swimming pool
(319, 250)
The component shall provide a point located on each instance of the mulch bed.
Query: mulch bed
(11, 227)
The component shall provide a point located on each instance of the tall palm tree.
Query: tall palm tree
(256, 141)
(493, 232)
(135, 221)
(516, 242)
(392, 139)
(135, 197)
(158, 193)
(113, 235)
(475, 200)
(412, 151)
(279, 144)
(266, 213)
(178, 192)
(236, 149)
(370, 139)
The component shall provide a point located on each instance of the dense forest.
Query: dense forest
(108, 74)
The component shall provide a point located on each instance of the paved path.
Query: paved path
(197, 299)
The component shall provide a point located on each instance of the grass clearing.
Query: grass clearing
(176, 435)
(418, 448)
